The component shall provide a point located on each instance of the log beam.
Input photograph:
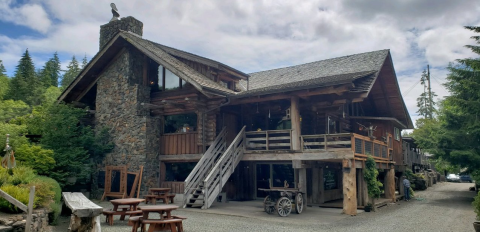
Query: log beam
(349, 188)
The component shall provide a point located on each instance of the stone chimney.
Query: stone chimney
(109, 30)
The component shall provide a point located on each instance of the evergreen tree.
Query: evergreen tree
(24, 84)
(454, 135)
(425, 107)
(84, 61)
(4, 81)
(50, 73)
(73, 69)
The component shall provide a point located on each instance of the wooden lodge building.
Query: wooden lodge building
(196, 124)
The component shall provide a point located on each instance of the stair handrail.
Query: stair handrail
(204, 164)
(235, 151)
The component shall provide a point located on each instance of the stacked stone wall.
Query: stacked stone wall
(109, 30)
(135, 133)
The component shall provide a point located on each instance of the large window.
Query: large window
(162, 79)
(178, 171)
(180, 123)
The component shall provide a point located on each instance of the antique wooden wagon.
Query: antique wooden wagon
(282, 200)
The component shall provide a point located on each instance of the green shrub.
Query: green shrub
(56, 209)
(4, 176)
(17, 192)
(39, 159)
(476, 205)
(22, 175)
(370, 175)
(53, 185)
(412, 193)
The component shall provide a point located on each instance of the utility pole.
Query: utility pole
(429, 93)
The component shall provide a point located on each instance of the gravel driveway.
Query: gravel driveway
(444, 207)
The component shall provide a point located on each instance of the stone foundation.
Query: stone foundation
(16, 223)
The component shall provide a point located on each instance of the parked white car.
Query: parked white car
(453, 178)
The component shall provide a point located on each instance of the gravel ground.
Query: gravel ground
(444, 207)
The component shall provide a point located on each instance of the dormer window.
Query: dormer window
(227, 84)
(162, 79)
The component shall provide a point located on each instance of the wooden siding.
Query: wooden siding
(175, 186)
(179, 143)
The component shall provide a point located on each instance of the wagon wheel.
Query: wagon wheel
(299, 203)
(268, 205)
(284, 206)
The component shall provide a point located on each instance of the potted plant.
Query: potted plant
(368, 207)
(476, 206)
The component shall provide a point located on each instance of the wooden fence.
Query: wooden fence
(21, 206)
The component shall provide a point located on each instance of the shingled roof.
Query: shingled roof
(359, 68)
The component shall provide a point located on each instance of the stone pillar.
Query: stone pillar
(109, 30)
(389, 184)
(349, 188)
(295, 118)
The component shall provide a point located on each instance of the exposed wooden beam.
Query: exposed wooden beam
(301, 93)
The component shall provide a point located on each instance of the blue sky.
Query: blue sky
(255, 35)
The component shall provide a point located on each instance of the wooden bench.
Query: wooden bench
(173, 225)
(136, 222)
(85, 214)
(109, 214)
(165, 198)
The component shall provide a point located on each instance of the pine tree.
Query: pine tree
(24, 83)
(73, 69)
(426, 108)
(84, 61)
(4, 81)
(50, 73)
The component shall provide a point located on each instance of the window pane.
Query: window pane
(171, 81)
(180, 123)
(160, 77)
(178, 171)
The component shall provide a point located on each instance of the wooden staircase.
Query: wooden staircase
(211, 173)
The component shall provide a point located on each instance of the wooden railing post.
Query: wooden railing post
(325, 141)
(28, 225)
(266, 140)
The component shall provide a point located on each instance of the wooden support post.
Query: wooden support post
(28, 224)
(321, 184)
(295, 118)
(362, 189)
(302, 184)
(349, 188)
(315, 185)
(390, 184)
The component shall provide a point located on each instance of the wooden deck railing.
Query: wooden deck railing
(269, 140)
(325, 142)
(179, 143)
(362, 146)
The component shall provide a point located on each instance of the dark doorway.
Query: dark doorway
(263, 179)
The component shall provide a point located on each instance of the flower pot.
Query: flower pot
(476, 226)
(367, 208)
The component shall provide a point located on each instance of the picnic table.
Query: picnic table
(282, 200)
(159, 193)
(166, 222)
(123, 207)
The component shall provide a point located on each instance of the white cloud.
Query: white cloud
(260, 35)
(29, 15)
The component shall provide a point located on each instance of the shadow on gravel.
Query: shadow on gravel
(453, 199)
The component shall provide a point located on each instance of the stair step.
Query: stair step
(194, 205)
